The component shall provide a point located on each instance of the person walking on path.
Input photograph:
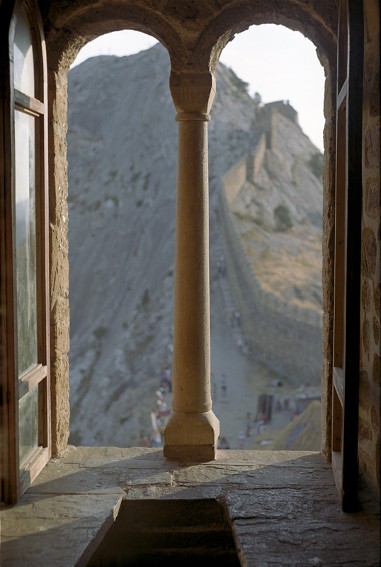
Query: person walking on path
(248, 424)
(224, 389)
(223, 443)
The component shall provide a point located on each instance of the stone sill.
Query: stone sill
(283, 506)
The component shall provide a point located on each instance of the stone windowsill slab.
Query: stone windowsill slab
(282, 505)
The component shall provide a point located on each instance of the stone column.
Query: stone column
(192, 429)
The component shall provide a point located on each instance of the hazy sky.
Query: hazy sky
(277, 63)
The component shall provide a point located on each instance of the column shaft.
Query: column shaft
(192, 429)
(191, 387)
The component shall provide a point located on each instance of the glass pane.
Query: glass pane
(23, 54)
(28, 424)
(25, 239)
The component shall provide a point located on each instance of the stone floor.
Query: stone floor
(283, 507)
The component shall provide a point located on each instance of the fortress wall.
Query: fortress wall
(274, 131)
(284, 337)
(235, 178)
(257, 158)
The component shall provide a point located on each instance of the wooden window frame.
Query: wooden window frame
(348, 201)
(14, 479)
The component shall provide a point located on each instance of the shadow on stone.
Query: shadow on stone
(171, 533)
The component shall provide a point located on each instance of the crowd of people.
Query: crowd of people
(251, 426)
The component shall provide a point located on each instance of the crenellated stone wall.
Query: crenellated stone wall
(287, 338)
(257, 159)
(235, 178)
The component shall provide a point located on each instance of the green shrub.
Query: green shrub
(282, 218)
(266, 254)
(99, 332)
(145, 298)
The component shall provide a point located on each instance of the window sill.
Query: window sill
(287, 499)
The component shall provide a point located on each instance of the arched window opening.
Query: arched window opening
(118, 365)
(266, 248)
(122, 190)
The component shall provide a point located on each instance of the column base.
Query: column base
(191, 437)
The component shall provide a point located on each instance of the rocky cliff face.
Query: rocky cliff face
(122, 189)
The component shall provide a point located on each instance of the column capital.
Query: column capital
(192, 94)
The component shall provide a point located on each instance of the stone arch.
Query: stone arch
(194, 41)
(320, 28)
(80, 23)
(66, 33)
(236, 19)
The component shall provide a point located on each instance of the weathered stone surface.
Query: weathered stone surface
(376, 330)
(60, 403)
(365, 295)
(369, 441)
(365, 336)
(372, 146)
(376, 368)
(369, 252)
(372, 197)
(377, 296)
(55, 530)
(282, 505)
(297, 543)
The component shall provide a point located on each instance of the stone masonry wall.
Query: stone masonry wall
(369, 409)
(235, 178)
(59, 267)
(286, 338)
(257, 158)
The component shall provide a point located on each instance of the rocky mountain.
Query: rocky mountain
(122, 145)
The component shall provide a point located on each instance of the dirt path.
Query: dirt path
(236, 379)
